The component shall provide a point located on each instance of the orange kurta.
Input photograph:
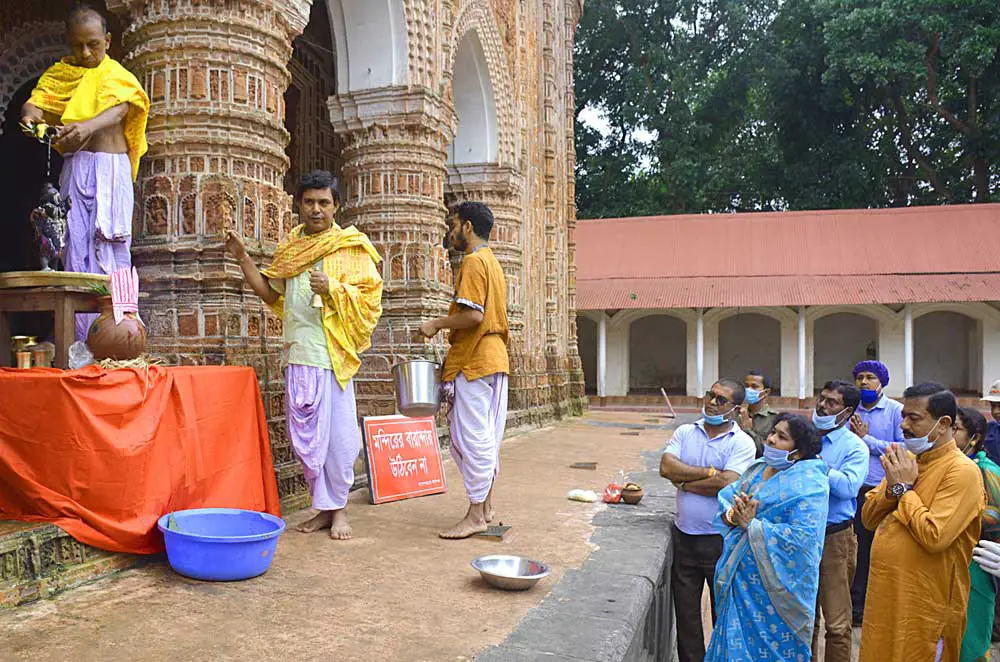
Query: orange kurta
(482, 350)
(918, 582)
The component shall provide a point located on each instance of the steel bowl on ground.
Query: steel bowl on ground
(416, 386)
(220, 544)
(511, 573)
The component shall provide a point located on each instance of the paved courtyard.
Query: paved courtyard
(396, 592)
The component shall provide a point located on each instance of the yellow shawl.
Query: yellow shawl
(353, 306)
(77, 94)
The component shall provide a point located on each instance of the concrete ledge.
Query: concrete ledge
(617, 607)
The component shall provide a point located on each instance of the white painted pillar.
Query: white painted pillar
(602, 355)
(908, 344)
(699, 351)
(802, 352)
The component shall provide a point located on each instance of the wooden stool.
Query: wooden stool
(65, 293)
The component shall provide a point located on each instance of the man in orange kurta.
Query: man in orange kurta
(926, 518)
(477, 364)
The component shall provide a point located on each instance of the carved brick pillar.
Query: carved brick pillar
(395, 144)
(555, 211)
(500, 187)
(216, 72)
(574, 9)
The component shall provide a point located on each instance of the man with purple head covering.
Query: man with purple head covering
(877, 422)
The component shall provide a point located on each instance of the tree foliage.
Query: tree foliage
(719, 105)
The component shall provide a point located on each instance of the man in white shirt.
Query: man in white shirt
(701, 459)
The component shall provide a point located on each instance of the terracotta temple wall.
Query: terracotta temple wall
(221, 155)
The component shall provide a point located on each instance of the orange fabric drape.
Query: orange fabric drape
(103, 454)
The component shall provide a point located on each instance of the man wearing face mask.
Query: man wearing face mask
(701, 459)
(877, 423)
(846, 458)
(756, 417)
(926, 517)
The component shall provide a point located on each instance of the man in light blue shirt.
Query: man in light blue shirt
(701, 459)
(846, 458)
(877, 422)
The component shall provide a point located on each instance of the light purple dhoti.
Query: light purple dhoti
(323, 427)
(478, 418)
(99, 233)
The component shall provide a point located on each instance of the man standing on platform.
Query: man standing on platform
(701, 459)
(325, 284)
(926, 517)
(100, 110)
(877, 422)
(477, 364)
(756, 417)
(846, 458)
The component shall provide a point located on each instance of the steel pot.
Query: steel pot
(416, 384)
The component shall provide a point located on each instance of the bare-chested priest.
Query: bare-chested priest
(477, 364)
(329, 314)
(100, 110)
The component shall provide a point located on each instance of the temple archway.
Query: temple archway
(476, 139)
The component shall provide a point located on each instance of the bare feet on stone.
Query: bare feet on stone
(340, 529)
(317, 522)
(474, 522)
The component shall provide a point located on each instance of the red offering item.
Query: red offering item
(613, 492)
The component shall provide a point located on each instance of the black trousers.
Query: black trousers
(865, 539)
(694, 565)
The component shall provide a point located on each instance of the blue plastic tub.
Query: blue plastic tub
(220, 544)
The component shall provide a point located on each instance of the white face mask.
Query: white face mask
(918, 445)
(827, 423)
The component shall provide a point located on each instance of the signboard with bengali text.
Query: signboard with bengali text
(402, 458)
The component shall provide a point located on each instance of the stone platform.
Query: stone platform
(40, 560)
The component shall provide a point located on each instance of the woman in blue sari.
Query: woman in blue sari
(773, 520)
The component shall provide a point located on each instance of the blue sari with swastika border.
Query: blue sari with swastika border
(768, 576)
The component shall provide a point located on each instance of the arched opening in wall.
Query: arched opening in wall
(657, 355)
(586, 340)
(839, 342)
(476, 138)
(750, 342)
(948, 349)
(313, 144)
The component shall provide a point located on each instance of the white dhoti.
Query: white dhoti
(99, 227)
(323, 427)
(478, 418)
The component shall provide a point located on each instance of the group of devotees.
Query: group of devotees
(870, 513)
(324, 282)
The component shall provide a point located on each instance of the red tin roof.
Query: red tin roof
(834, 257)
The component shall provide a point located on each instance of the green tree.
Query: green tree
(934, 68)
(715, 105)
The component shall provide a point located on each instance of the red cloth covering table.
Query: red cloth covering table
(103, 454)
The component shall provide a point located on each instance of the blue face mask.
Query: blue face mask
(826, 423)
(869, 397)
(918, 445)
(776, 458)
(718, 419)
(753, 396)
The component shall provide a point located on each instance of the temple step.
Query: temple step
(40, 560)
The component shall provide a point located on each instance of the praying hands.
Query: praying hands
(743, 511)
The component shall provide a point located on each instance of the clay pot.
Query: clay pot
(120, 342)
(632, 496)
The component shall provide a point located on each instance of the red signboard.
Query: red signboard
(403, 458)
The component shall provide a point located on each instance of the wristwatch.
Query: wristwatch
(899, 489)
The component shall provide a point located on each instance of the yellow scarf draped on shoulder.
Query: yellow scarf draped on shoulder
(77, 94)
(353, 306)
